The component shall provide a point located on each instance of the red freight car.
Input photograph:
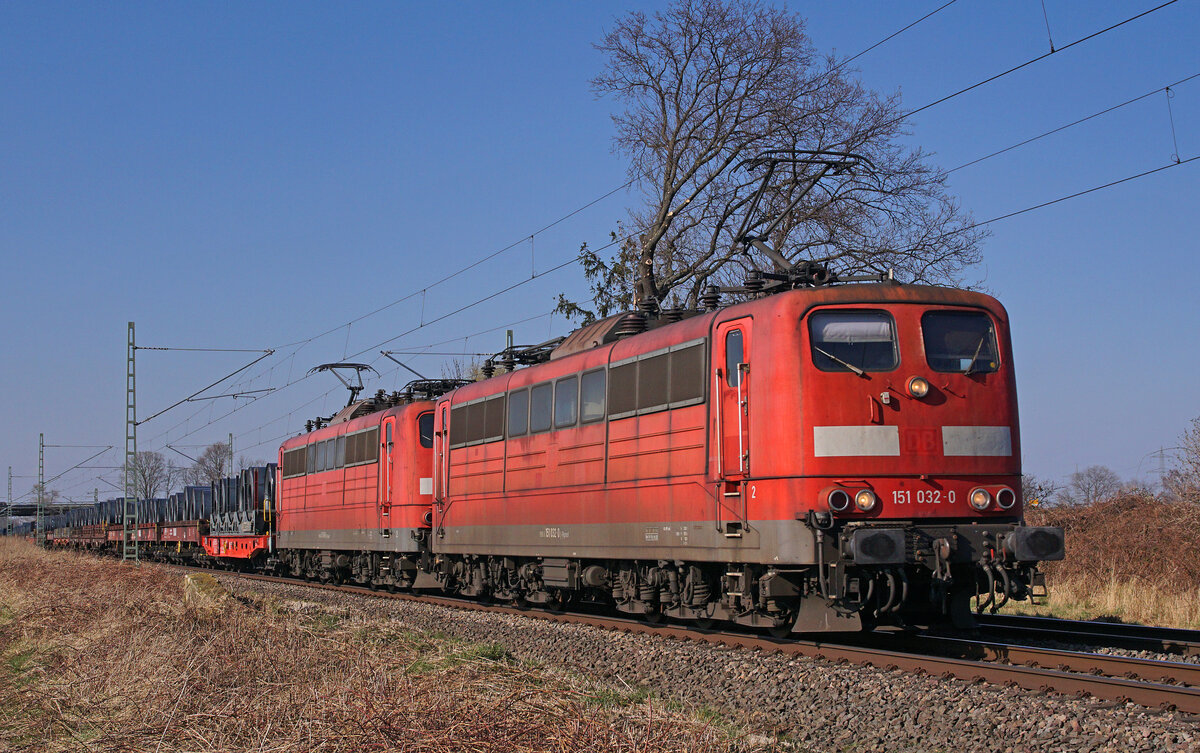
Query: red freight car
(355, 497)
(812, 460)
(147, 535)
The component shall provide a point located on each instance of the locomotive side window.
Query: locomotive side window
(354, 451)
(518, 413)
(339, 456)
(493, 418)
(294, 462)
(853, 341)
(622, 390)
(312, 458)
(371, 445)
(566, 402)
(321, 456)
(541, 407)
(959, 342)
(425, 429)
(687, 375)
(653, 382)
(458, 426)
(733, 357)
(476, 414)
(591, 396)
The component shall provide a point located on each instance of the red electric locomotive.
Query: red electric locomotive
(824, 458)
(354, 497)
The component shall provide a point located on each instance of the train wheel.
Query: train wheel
(654, 617)
(780, 631)
(555, 603)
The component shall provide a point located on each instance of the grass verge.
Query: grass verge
(103, 657)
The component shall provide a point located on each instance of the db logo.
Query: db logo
(919, 441)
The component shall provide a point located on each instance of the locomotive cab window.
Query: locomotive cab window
(733, 357)
(425, 429)
(961, 342)
(854, 341)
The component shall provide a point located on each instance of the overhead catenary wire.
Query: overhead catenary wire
(265, 354)
(895, 34)
(385, 374)
(1094, 115)
(334, 389)
(424, 290)
(466, 268)
(1033, 60)
(60, 475)
(1085, 192)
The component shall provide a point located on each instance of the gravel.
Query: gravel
(814, 704)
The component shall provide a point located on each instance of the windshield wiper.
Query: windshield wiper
(835, 359)
(974, 358)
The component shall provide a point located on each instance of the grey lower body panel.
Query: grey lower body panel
(783, 542)
(352, 539)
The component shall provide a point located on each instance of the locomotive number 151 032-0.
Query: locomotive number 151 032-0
(922, 497)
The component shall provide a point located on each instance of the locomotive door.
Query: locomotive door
(731, 380)
(387, 475)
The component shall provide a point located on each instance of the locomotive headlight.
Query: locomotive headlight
(918, 387)
(838, 500)
(865, 500)
(980, 499)
(1005, 498)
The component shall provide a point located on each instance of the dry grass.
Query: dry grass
(1116, 599)
(100, 657)
(1135, 558)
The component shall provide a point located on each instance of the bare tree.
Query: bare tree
(48, 496)
(462, 369)
(244, 462)
(707, 84)
(1090, 485)
(153, 475)
(213, 465)
(1038, 491)
(1183, 481)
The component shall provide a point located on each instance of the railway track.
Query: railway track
(1146, 682)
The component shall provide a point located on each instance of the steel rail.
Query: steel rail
(1118, 635)
(1119, 689)
(1150, 670)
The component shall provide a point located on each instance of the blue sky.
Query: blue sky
(236, 175)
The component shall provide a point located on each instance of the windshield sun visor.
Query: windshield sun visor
(853, 340)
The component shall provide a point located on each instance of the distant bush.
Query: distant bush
(1132, 536)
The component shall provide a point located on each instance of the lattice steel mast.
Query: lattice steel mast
(129, 521)
(40, 530)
